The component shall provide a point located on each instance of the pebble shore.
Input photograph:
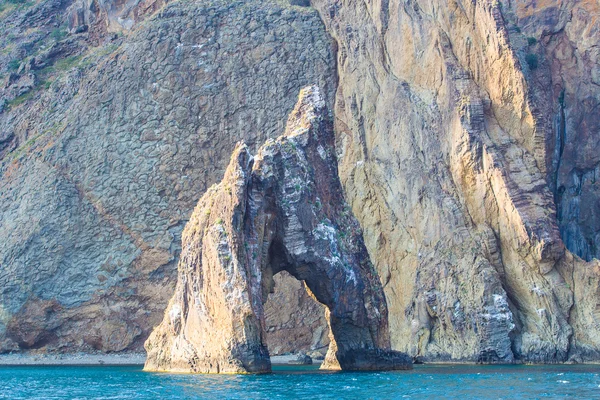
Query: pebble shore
(100, 359)
(73, 359)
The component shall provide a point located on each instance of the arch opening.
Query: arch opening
(295, 323)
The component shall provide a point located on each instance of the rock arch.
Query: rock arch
(283, 209)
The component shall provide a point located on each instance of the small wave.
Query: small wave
(559, 381)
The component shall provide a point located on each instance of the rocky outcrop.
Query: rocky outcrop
(101, 170)
(282, 210)
(100, 17)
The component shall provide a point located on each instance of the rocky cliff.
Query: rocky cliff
(466, 135)
(450, 137)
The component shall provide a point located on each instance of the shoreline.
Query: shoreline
(289, 360)
(76, 359)
(84, 359)
(138, 359)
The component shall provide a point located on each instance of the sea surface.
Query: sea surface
(424, 382)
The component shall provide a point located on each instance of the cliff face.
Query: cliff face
(467, 140)
(447, 151)
(282, 210)
(294, 321)
(104, 158)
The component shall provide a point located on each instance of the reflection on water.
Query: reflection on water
(293, 382)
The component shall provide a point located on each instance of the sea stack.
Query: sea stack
(281, 210)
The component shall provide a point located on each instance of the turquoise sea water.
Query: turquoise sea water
(424, 382)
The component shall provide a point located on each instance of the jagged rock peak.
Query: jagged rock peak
(283, 210)
(308, 110)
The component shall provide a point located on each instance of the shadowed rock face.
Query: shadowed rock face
(282, 210)
(294, 320)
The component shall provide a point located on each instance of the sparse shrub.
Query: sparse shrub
(531, 40)
(58, 34)
(561, 98)
(21, 99)
(532, 61)
(67, 63)
(13, 65)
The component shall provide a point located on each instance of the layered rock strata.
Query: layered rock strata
(559, 41)
(283, 210)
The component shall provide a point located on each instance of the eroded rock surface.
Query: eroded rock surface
(281, 210)
(294, 320)
(467, 136)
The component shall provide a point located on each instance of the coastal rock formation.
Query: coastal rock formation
(467, 144)
(282, 210)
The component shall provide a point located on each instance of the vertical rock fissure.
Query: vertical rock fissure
(560, 147)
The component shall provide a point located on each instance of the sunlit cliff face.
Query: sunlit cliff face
(450, 135)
